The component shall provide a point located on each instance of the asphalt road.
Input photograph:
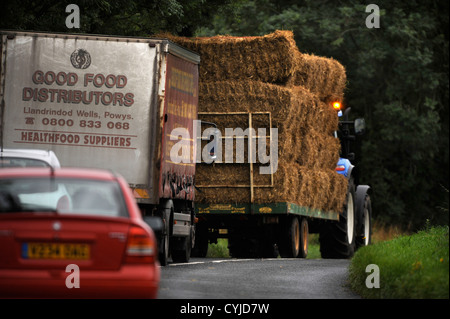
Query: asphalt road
(208, 278)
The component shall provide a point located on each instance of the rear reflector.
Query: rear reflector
(141, 247)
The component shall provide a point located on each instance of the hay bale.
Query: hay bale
(253, 96)
(272, 58)
(267, 58)
(284, 190)
(325, 77)
(318, 150)
(284, 105)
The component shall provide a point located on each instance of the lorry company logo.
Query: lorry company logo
(81, 59)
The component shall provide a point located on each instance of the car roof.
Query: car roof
(66, 172)
(47, 156)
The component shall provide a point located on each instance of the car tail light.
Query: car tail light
(141, 247)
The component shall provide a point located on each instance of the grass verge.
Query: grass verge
(414, 266)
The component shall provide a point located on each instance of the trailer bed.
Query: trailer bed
(284, 208)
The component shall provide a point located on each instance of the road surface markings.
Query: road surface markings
(209, 261)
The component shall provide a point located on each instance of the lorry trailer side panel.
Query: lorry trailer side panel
(178, 153)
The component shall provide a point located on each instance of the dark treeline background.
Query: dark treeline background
(397, 74)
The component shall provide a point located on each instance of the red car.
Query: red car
(88, 241)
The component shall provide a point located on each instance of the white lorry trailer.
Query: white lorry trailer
(108, 102)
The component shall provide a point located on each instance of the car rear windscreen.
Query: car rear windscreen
(21, 162)
(62, 195)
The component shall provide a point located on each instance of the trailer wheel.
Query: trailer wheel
(304, 233)
(364, 237)
(290, 244)
(337, 239)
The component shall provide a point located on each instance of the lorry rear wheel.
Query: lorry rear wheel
(167, 212)
(337, 239)
(290, 244)
(181, 249)
(164, 249)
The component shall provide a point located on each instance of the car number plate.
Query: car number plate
(55, 251)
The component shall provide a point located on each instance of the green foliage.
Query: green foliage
(313, 247)
(414, 266)
(114, 17)
(219, 250)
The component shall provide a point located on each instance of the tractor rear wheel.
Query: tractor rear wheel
(337, 239)
(364, 237)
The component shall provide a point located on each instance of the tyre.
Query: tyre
(338, 239)
(364, 236)
(181, 249)
(304, 233)
(290, 239)
(164, 249)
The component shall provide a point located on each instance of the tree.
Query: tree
(114, 17)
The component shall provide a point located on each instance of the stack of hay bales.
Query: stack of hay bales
(269, 74)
